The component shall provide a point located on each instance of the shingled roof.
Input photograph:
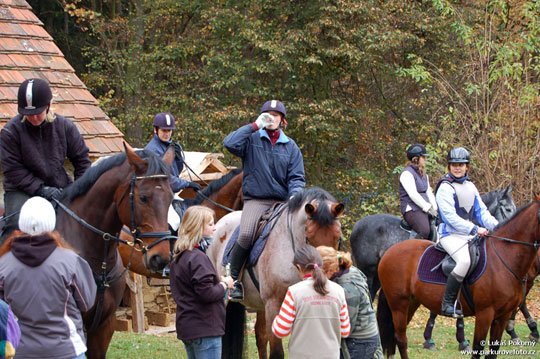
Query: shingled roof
(26, 51)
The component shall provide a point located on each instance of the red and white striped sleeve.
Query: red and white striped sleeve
(344, 321)
(282, 325)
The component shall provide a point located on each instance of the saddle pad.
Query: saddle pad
(256, 249)
(432, 257)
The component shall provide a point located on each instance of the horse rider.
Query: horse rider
(459, 205)
(273, 171)
(164, 125)
(416, 198)
(33, 147)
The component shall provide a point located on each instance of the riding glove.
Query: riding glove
(178, 151)
(433, 212)
(263, 120)
(196, 187)
(49, 193)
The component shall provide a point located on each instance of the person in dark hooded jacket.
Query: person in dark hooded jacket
(47, 286)
(33, 148)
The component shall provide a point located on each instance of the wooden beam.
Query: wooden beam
(134, 282)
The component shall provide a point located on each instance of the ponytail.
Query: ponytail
(309, 259)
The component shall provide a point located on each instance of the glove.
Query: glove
(178, 150)
(433, 212)
(263, 120)
(49, 193)
(194, 185)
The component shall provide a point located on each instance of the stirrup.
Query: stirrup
(237, 293)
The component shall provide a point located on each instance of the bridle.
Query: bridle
(534, 245)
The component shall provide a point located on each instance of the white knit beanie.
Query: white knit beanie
(37, 216)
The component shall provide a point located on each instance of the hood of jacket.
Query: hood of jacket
(33, 250)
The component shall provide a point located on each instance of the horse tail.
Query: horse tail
(386, 325)
(233, 340)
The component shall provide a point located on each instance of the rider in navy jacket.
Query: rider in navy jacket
(273, 171)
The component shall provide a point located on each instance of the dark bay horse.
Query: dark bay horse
(309, 218)
(374, 234)
(221, 195)
(511, 250)
(127, 189)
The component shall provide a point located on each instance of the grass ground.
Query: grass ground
(143, 346)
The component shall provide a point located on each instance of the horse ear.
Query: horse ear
(137, 163)
(168, 157)
(508, 189)
(310, 209)
(337, 209)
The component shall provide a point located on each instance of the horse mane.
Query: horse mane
(212, 188)
(86, 181)
(323, 216)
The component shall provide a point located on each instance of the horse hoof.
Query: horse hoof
(429, 344)
(533, 338)
(515, 341)
(464, 345)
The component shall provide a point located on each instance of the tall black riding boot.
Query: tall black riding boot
(448, 309)
(238, 257)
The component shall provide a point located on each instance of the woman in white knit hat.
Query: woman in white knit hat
(46, 284)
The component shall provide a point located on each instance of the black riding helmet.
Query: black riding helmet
(33, 97)
(458, 155)
(416, 150)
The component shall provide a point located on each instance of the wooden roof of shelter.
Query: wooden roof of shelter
(27, 51)
(203, 167)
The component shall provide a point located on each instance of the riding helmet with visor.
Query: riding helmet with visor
(458, 155)
(165, 121)
(34, 97)
(274, 105)
(416, 150)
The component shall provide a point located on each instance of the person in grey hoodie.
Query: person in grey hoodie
(46, 284)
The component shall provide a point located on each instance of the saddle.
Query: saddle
(412, 233)
(435, 265)
(264, 227)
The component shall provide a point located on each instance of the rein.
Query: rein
(535, 245)
(214, 202)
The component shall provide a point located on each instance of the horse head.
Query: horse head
(500, 203)
(322, 212)
(142, 203)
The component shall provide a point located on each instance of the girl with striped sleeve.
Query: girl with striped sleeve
(314, 311)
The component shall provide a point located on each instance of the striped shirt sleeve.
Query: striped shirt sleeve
(282, 325)
(344, 321)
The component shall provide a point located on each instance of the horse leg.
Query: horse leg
(405, 307)
(460, 335)
(100, 338)
(429, 343)
(482, 324)
(261, 335)
(495, 335)
(276, 346)
(530, 321)
(510, 329)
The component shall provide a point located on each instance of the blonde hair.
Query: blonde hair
(49, 117)
(191, 228)
(334, 260)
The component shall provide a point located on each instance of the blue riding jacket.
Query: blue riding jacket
(159, 147)
(270, 171)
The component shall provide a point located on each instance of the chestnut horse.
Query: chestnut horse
(309, 218)
(127, 189)
(511, 250)
(222, 195)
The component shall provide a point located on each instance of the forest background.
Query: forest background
(361, 81)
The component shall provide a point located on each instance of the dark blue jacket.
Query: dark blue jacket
(270, 172)
(159, 147)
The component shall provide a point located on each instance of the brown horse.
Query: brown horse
(534, 336)
(511, 251)
(131, 189)
(222, 195)
(310, 217)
